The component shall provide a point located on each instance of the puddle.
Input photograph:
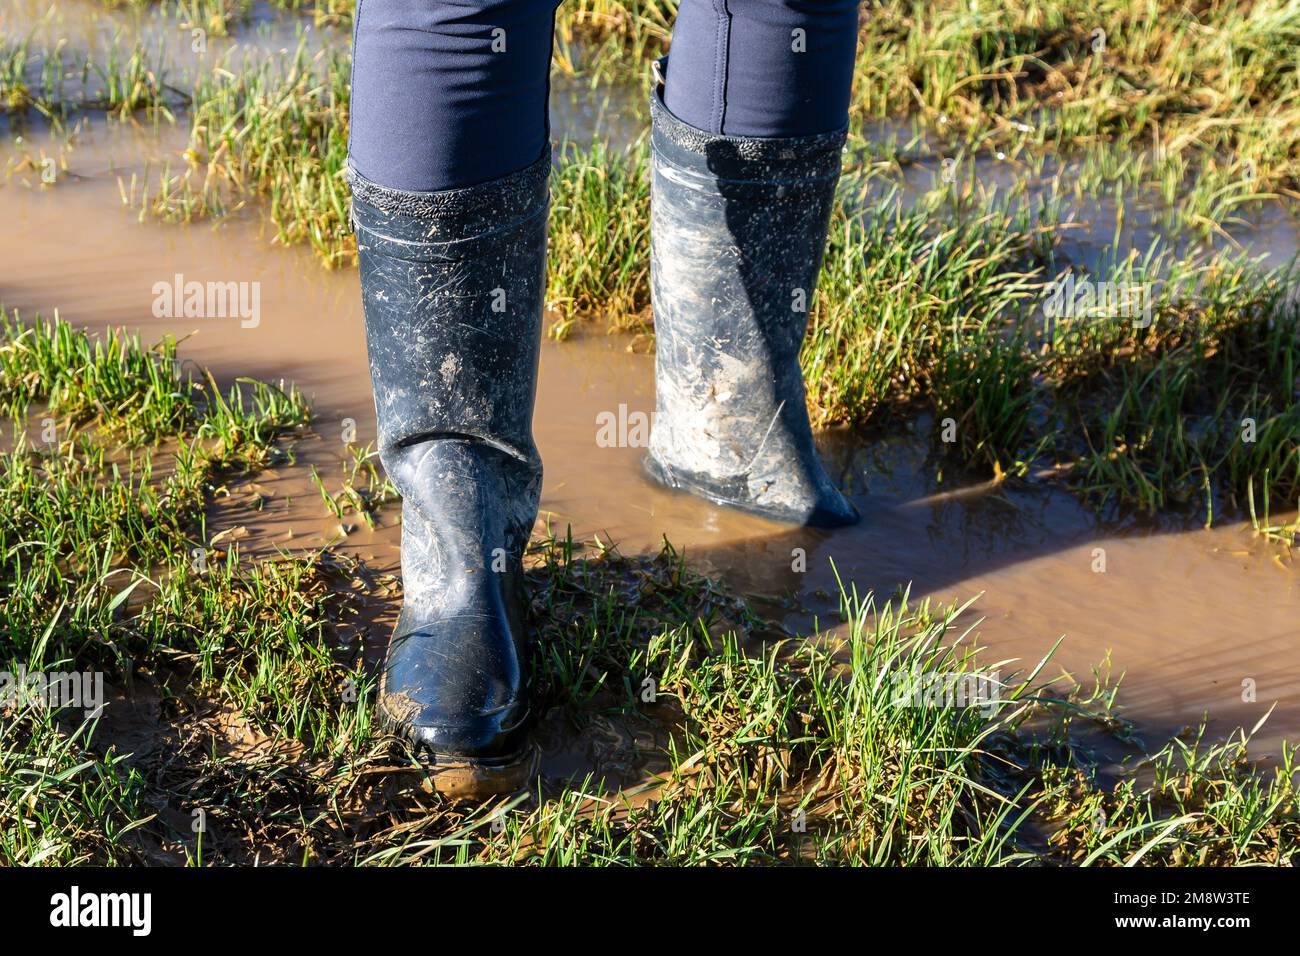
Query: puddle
(1095, 226)
(1189, 615)
(92, 26)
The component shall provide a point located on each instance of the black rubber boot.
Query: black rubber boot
(737, 230)
(453, 285)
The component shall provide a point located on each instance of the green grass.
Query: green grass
(1205, 81)
(62, 805)
(216, 16)
(897, 292)
(600, 238)
(364, 490)
(748, 745)
(273, 129)
(226, 17)
(121, 79)
(1194, 410)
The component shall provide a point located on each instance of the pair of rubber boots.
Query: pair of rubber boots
(453, 286)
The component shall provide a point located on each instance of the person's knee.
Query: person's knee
(763, 67)
(448, 93)
(453, 17)
(794, 12)
(482, 11)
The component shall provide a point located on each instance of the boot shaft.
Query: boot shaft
(453, 285)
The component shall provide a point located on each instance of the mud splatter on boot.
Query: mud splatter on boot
(738, 226)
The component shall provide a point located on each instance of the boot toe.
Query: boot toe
(454, 687)
(439, 732)
(483, 738)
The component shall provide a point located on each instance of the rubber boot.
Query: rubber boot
(453, 285)
(737, 229)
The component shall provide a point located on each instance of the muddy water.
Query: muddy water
(1187, 614)
(91, 26)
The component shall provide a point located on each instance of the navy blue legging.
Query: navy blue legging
(449, 93)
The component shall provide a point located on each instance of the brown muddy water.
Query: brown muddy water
(1187, 615)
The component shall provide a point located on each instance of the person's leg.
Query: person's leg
(449, 93)
(449, 166)
(748, 130)
(763, 67)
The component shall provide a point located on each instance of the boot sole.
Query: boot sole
(469, 778)
(818, 519)
(461, 777)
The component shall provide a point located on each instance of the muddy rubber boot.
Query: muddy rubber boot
(737, 230)
(452, 284)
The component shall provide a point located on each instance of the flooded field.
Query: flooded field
(1199, 621)
(1187, 614)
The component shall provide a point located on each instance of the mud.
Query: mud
(1194, 618)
